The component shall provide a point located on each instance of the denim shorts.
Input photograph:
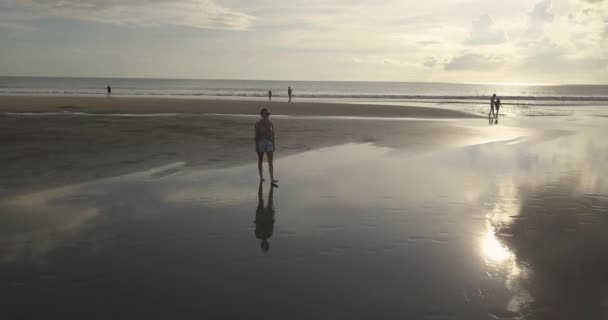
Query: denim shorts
(265, 145)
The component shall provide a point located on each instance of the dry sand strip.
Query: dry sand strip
(171, 105)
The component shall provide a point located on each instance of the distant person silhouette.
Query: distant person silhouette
(269, 95)
(492, 102)
(264, 217)
(264, 143)
(497, 106)
(289, 93)
(109, 89)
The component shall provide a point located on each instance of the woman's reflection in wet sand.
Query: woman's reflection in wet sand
(264, 217)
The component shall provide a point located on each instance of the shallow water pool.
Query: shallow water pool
(513, 228)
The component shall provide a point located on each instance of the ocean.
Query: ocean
(525, 100)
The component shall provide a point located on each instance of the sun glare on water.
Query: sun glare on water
(492, 249)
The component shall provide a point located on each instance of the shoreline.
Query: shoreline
(129, 105)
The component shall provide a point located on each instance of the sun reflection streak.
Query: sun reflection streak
(499, 256)
(503, 260)
(492, 249)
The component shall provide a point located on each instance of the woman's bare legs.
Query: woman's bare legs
(269, 155)
(260, 161)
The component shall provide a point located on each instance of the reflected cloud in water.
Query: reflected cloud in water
(560, 235)
(545, 232)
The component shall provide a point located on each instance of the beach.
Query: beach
(213, 106)
(121, 135)
(116, 207)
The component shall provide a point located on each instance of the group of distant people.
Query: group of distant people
(289, 94)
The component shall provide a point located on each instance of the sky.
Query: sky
(479, 41)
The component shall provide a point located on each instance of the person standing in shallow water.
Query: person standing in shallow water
(109, 89)
(492, 102)
(264, 143)
(289, 92)
(269, 95)
(497, 106)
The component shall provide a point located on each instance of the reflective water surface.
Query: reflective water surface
(510, 229)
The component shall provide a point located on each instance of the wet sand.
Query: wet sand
(169, 105)
(42, 150)
(160, 217)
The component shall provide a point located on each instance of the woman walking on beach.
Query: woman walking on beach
(264, 143)
(492, 103)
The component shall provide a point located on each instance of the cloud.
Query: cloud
(484, 32)
(537, 18)
(427, 42)
(474, 62)
(548, 57)
(192, 13)
(17, 26)
(541, 11)
(564, 41)
(549, 60)
(430, 62)
(383, 40)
